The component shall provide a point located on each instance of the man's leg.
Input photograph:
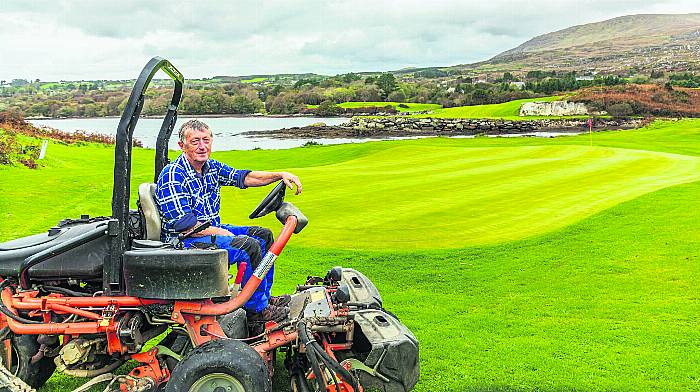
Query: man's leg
(243, 248)
(265, 238)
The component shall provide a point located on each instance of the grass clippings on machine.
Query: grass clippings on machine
(87, 295)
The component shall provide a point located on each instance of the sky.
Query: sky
(55, 40)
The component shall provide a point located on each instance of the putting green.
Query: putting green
(421, 197)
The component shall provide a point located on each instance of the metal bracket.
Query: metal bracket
(357, 364)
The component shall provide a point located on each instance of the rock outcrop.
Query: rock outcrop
(553, 108)
(382, 127)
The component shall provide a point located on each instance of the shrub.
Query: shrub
(622, 109)
(327, 108)
(13, 152)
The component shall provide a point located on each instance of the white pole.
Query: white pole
(42, 154)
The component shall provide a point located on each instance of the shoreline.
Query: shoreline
(383, 128)
(195, 116)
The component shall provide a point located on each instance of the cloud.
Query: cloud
(82, 39)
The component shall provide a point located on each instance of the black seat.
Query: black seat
(84, 262)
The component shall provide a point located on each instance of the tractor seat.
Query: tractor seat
(151, 213)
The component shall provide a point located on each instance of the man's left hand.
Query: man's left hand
(290, 180)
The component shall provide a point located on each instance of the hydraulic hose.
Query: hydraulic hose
(312, 356)
(65, 291)
(84, 373)
(312, 345)
(9, 313)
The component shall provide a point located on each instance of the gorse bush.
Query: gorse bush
(19, 140)
(14, 152)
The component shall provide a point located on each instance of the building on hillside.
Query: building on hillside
(518, 85)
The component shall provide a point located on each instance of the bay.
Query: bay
(227, 130)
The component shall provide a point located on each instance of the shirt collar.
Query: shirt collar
(189, 169)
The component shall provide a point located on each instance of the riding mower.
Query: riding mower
(91, 293)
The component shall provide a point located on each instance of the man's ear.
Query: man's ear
(181, 144)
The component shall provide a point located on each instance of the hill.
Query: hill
(645, 42)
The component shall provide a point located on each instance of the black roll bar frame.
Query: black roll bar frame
(117, 229)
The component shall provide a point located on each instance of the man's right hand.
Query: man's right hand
(213, 231)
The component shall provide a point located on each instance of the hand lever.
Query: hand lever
(194, 231)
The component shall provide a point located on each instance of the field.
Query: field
(412, 107)
(254, 80)
(508, 110)
(520, 264)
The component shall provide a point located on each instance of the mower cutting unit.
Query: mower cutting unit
(90, 293)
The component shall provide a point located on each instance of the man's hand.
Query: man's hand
(262, 178)
(213, 231)
(290, 180)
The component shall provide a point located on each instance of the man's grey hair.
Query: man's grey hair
(194, 125)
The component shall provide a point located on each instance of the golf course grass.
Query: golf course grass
(520, 264)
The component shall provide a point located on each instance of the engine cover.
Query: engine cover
(362, 290)
(168, 273)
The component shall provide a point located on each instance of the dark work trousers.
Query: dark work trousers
(249, 244)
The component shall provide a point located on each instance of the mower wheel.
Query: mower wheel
(220, 366)
(23, 348)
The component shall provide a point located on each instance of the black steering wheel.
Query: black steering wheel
(271, 202)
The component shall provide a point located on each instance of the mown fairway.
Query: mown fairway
(520, 264)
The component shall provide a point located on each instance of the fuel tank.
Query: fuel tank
(83, 262)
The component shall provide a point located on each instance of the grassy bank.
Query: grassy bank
(507, 111)
(520, 264)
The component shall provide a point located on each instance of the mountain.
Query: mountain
(642, 42)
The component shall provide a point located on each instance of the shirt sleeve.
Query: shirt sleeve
(231, 176)
(174, 201)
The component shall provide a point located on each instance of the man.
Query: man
(188, 194)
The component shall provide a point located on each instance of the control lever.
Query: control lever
(177, 242)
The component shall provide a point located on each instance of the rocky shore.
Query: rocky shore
(383, 127)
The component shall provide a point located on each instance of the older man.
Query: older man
(188, 194)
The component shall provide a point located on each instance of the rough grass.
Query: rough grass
(607, 302)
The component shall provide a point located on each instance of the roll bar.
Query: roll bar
(122, 162)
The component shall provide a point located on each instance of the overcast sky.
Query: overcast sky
(73, 40)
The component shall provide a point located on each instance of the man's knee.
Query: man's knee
(264, 233)
(250, 246)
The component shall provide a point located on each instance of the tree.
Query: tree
(327, 109)
(387, 83)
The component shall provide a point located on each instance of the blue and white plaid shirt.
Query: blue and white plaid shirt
(186, 197)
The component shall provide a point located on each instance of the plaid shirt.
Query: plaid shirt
(186, 197)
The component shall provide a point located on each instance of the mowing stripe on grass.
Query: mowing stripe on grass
(400, 197)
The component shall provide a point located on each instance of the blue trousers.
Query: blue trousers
(248, 242)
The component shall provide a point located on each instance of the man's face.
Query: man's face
(197, 145)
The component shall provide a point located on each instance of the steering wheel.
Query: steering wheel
(271, 202)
